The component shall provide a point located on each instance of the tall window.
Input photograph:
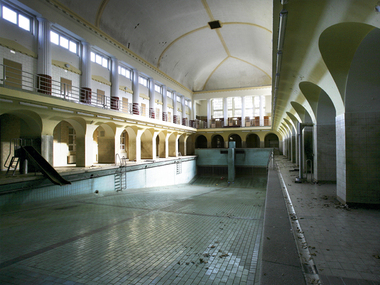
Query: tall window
(158, 88)
(72, 139)
(143, 81)
(100, 59)
(122, 140)
(217, 108)
(169, 94)
(17, 18)
(63, 41)
(125, 72)
(249, 107)
(234, 106)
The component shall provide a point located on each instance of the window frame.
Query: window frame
(18, 13)
(143, 81)
(70, 40)
(94, 55)
(127, 70)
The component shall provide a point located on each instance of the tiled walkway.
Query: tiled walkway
(186, 234)
(343, 242)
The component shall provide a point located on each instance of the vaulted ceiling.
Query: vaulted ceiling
(174, 36)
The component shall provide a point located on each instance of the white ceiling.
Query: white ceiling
(174, 36)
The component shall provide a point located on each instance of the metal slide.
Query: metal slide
(33, 155)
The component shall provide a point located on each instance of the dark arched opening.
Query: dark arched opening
(217, 142)
(235, 138)
(252, 141)
(201, 142)
(271, 140)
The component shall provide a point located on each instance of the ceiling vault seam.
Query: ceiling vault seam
(100, 11)
(252, 65)
(204, 86)
(177, 39)
(208, 10)
(246, 23)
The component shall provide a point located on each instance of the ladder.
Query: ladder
(120, 180)
(13, 164)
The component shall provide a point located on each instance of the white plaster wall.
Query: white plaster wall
(13, 32)
(62, 54)
(29, 65)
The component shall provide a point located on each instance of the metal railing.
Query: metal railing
(11, 77)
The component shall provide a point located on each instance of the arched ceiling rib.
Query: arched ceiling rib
(175, 36)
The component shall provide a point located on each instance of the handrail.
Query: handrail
(11, 77)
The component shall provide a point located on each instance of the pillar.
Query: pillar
(154, 145)
(242, 112)
(44, 71)
(208, 113)
(183, 111)
(164, 104)
(152, 113)
(167, 144)
(261, 113)
(225, 111)
(85, 89)
(136, 93)
(194, 112)
(175, 111)
(47, 147)
(138, 144)
(115, 83)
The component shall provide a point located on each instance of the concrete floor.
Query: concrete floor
(205, 233)
(344, 243)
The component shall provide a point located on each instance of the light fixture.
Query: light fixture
(12, 51)
(67, 65)
(281, 29)
(279, 61)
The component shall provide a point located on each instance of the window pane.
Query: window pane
(73, 47)
(98, 59)
(237, 101)
(169, 94)
(128, 73)
(229, 103)
(92, 57)
(63, 42)
(9, 15)
(104, 62)
(54, 38)
(24, 22)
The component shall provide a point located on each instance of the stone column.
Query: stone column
(175, 111)
(208, 113)
(183, 111)
(136, 92)
(44, 71)
(242, 112)
(115, 84)
(164, 104)
(47, 147)
(262, 99)
(152, 113)
(85, 79)
(225, 111)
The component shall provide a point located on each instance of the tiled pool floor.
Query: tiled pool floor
(184, 234)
